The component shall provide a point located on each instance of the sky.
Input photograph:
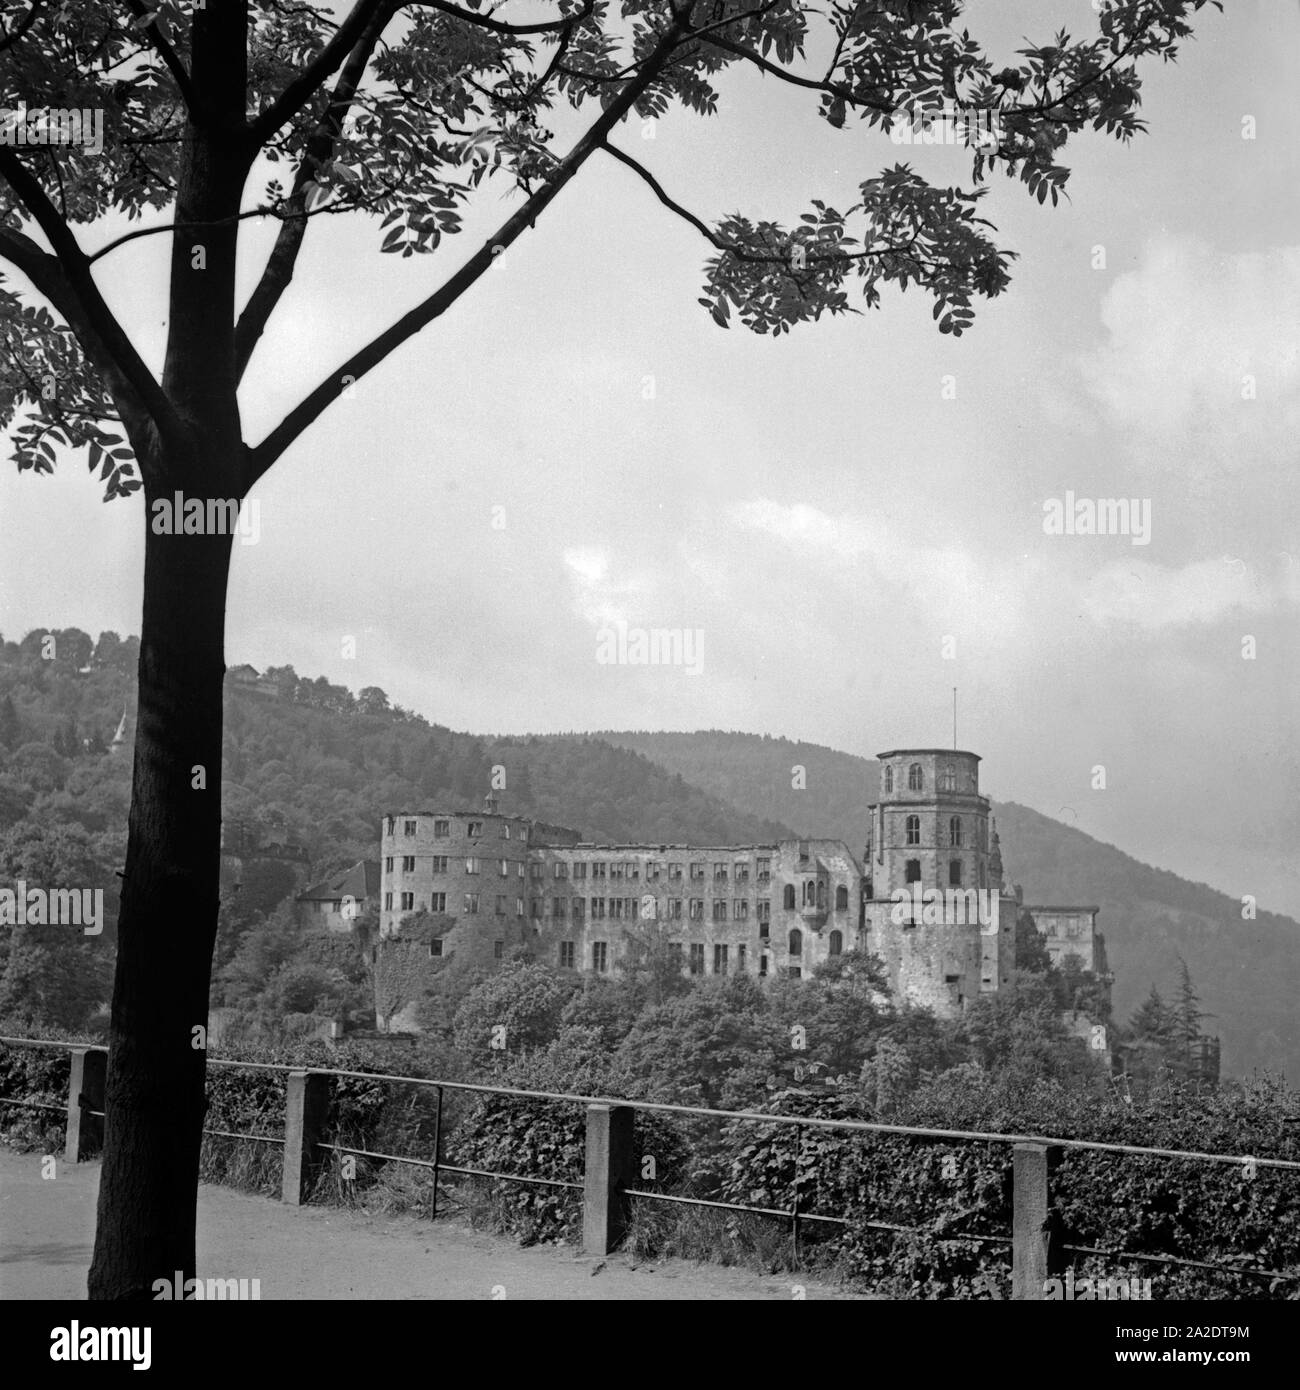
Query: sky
(849, 520)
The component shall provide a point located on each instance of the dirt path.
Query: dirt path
(47, 1224)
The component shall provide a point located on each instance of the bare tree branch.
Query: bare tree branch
(311, 407)
(278, 271)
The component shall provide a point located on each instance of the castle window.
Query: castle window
(674, 873)
(557, 907)
(821, 895)
(505, 867)
(498, 950)
(505, 830)
(598, 907)
(764, 927)
(912, 871)
(740, 910)
(954, 873)
(408, 827)
(912, 829)
(566, 955)
(954, 832)
(471, 902)
(947, 780)
(789, 896)
(561, 869)
(388, 865)
(835, 943)
(653, 870)
(762, 966)
(392, 825)
(764, 871)
(740, 958)
(618, 870)
(502, 905)
(598, 868)
(471, 866)
(697, 870)
(720, 910)
(435, 948)
(697, 910)
(519, 907)
(519, 868)
(841, 899)
(742, 870)
(889, 778)
(697, 958)
(579, 907)
(388, 902)
(809, 893)
(441, 829)
(915, 778)
(439, 864)
(719, 960)
(408, 902)
(535, 908)
(438, 902)
(719, 873)
(580, 869)
(536, 870)
(675, 909)
(796, 942)
(475, 829)
(764, 909)
(600, 956)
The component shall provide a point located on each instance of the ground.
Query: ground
(48, 1225)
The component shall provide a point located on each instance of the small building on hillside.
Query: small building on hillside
(336, 902)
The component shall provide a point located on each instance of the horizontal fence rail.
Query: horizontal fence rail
(1038, 1247)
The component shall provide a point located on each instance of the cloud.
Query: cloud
(1186, 336)
(1149, 596)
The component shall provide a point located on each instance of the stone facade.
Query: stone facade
(928, 897)
(1072, 931)
(934, 907)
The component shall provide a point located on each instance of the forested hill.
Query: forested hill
(1248, 972)
(310, 763)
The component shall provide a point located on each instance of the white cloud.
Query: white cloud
(1185, 332)
(1140, 594)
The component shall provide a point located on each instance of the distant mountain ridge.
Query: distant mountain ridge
(1247, 972)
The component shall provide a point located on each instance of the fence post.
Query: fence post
(306, 1105)
(1036, 1252)
(610, 1169)
(85, 1133)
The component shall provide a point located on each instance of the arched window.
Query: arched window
(796, 942)
(947, 780)
(789, 895)
(809, 893)
(821, 894)
(889, 778)
(954, 832)
(915, 778)
(954, 873)
(841, 899)
(912, 826)
(913, 871)
(836, 943)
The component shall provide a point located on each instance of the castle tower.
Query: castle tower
(931, 840)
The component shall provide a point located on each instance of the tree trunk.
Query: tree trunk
(156, 1065)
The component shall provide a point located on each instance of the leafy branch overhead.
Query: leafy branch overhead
(405, 112)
